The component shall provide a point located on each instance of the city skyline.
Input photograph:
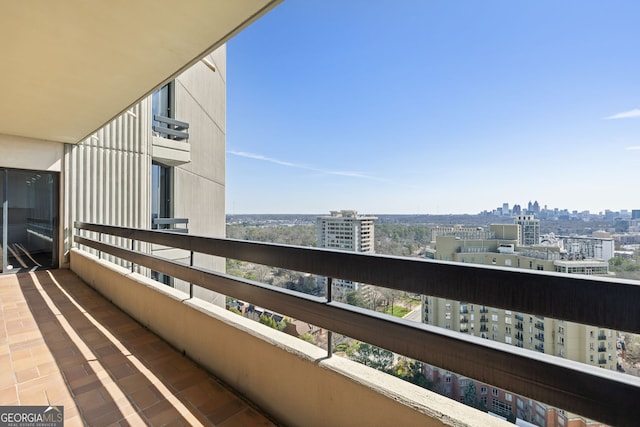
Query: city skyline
(433, 108)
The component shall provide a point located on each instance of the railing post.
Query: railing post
(191, 284)
(99, 240)
(329, 333)
(132, 248)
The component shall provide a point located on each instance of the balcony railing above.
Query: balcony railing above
(599, 394)
(170, 128)
(176, 225)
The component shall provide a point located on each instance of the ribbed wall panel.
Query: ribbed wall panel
(106, 176)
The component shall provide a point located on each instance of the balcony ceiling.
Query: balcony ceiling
(69, 67)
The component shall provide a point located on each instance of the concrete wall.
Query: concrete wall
(107, 177)
(288, 378)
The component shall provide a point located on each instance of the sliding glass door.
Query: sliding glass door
(29, 219)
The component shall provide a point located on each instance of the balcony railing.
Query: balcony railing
(177, 225)
(170, 128)
(539, 325)
(602, 395)
(519, 326)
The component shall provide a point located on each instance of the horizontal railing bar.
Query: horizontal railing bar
(172, 132)
(601, 302)
(165, 221)
(170, 121)
(592, 392)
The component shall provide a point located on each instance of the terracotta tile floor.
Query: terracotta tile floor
(61, 342)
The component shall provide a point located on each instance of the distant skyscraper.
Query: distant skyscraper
(635, 214)
(345, 230)
(536, 207)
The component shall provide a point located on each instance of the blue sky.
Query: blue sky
(434, 107)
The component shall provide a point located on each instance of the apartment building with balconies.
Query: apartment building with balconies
(345, 230)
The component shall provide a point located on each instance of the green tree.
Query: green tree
(374, 357)
(353, 298)
(271, 322)
(470, 395)
(307, 337)
(411, 370)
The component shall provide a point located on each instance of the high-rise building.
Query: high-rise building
(529, 230)
(151, 167)
(345, 230)
(583, 343)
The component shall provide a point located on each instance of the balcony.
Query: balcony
(602, 337)
(483, 328)
(539, 347)
(539, 337)
(602, 349)
(104, 368)
(238, 350)
(539, 325)
(519, 326)
(519, 336)
(176, 225)
(484, 309)
(484, 319)
(519, 317)
(168, 128)
(169, 141)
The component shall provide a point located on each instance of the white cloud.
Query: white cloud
(254, 156)
(634, 147)
(631, 114)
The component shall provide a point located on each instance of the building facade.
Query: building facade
(500, 246)
(347, 231)
(161, 164)
(529, 229)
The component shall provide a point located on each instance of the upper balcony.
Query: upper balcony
(170, 141)
(238, 350)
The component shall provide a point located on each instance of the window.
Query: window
(495, 392)
(483, 390)
(161, 191)
(162, 101)
(501, 407)
(508, 397)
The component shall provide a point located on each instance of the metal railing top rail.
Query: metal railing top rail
(603, 302)
(172, 129)
(599, 394)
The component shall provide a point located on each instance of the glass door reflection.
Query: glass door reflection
(29, 234)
